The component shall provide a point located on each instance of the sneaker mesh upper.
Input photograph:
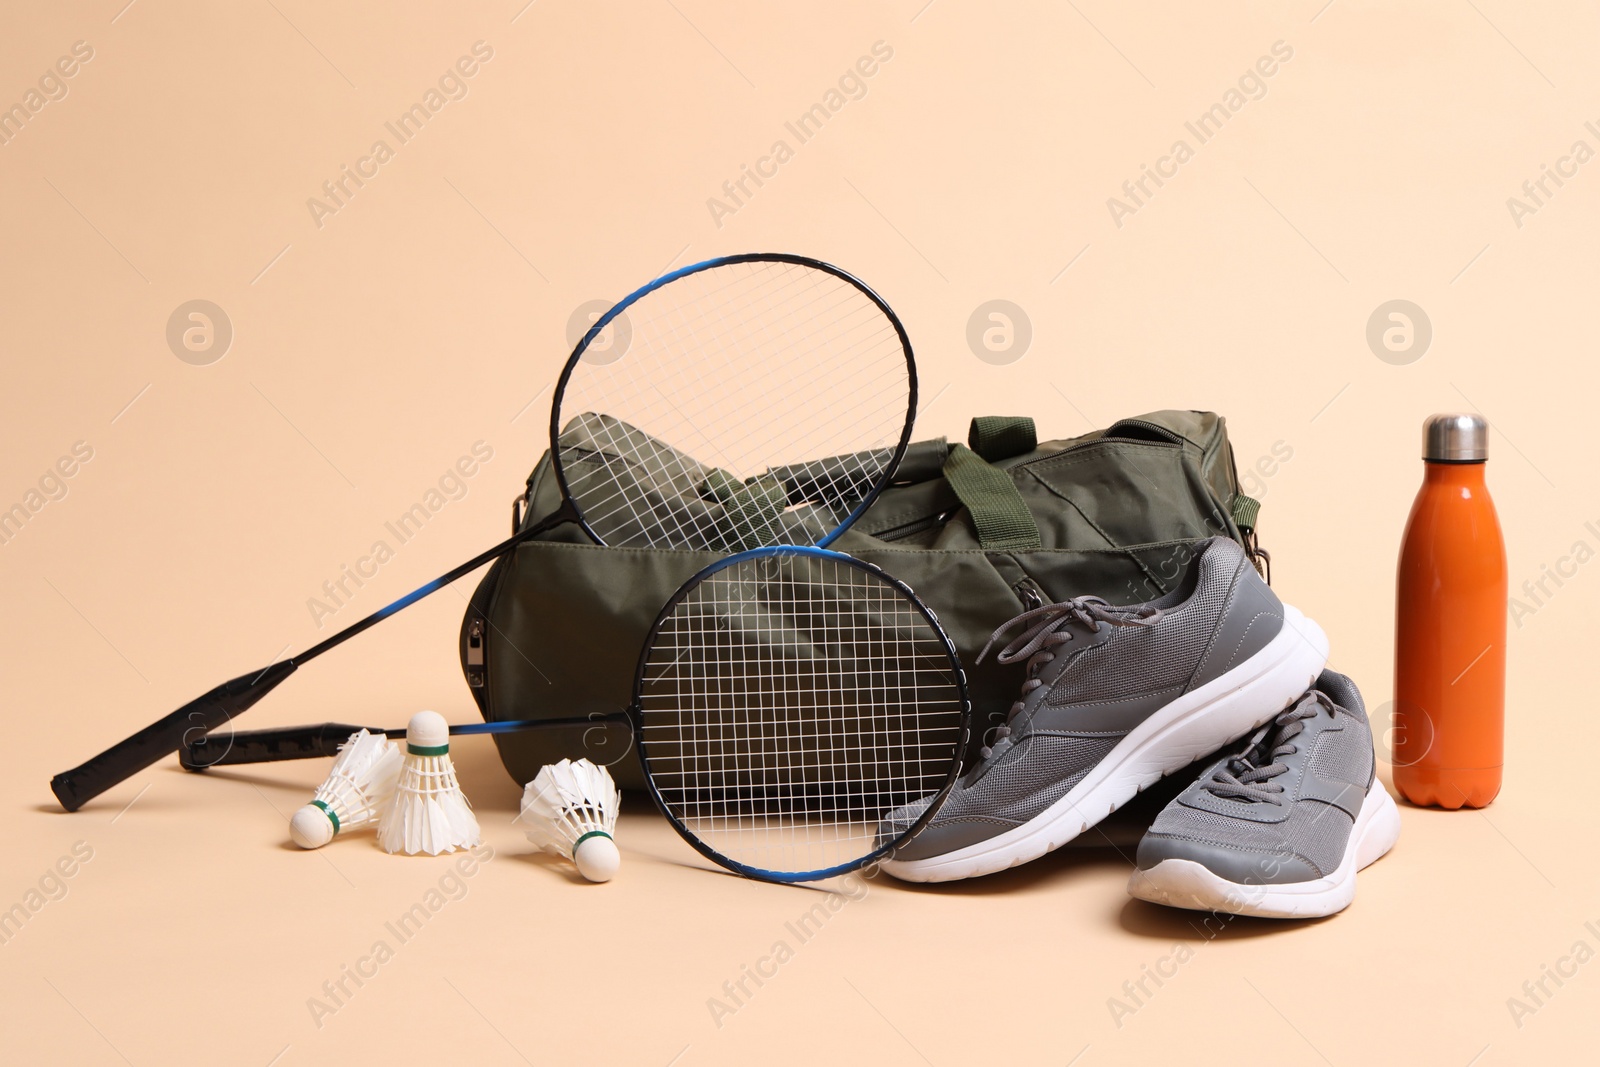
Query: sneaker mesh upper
(1333, 757)
(1144, 659)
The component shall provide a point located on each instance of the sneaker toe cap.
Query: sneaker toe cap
(943, 836)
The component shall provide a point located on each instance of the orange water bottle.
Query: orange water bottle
(1450, 627)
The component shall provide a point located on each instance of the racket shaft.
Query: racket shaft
(225, 749)
(565, 515)
(323, 739)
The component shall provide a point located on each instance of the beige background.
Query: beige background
(425, 314)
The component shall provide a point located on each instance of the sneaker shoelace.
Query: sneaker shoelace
(1044, 631)
(1242, 779)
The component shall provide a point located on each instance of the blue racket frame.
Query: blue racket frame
(722, 261)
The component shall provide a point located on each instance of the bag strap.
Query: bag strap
(1002, 520)
(1245, 510)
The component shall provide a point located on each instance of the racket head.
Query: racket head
(787, 700)
(675, 405)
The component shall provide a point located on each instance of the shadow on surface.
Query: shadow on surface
(1157, 921)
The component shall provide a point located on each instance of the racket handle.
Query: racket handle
(128, 757)
(225, 749)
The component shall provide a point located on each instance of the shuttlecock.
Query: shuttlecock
(570, 810)
(428, 812)
(360, 784)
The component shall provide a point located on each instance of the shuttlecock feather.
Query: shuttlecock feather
(359, 785)
(428, 812)
(571, 810)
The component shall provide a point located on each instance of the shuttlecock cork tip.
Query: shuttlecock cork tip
(597, 857)
(311, 827)
(427, 734)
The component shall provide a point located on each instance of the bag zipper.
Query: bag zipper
(1153, 428)
(895, 533)
(1029, 593)
(1165, 436)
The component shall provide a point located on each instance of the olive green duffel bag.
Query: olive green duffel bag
(981, 532)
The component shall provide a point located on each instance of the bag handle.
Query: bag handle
(998, 513)
(750, 510)
(997, 437)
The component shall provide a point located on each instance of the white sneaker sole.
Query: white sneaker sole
(1196, 723)
(1187, 884)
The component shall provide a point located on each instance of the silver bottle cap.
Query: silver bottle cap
(1455, 439)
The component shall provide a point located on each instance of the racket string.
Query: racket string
(786, 711)
(624, 452)
(745, 362)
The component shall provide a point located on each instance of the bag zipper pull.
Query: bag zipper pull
(475, 653)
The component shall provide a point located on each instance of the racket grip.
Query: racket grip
(133, 754)
(226, 749)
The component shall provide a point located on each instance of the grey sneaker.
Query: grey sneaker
(1281, 828)
(1115, 698)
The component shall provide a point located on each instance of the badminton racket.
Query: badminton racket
(740, 361)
